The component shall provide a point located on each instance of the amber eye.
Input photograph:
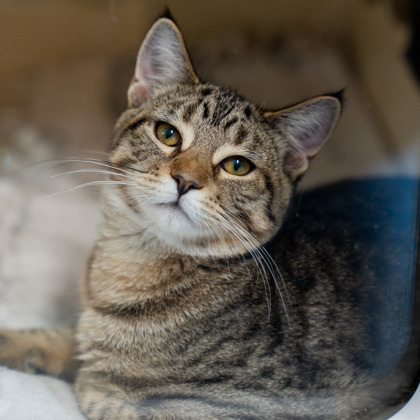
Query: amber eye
(237, 165)
(168, 134)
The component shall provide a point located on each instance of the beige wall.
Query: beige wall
(33, 32)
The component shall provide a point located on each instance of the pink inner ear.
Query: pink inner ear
(294, 163)
(137, 93)
(308, 126)
(313, 130)
(149, 69)
(162, 61)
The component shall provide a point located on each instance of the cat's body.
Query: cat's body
(185, 314)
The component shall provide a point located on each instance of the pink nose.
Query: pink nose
(184, 185)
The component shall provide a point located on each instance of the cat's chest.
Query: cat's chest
(126, 275)
(129, 277)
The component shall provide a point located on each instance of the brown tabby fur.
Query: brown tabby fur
(186, 315)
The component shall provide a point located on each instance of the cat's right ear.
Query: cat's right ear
(163, 61)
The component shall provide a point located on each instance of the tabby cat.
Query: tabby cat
(186, 315)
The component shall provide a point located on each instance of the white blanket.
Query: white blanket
(30, 397)
(44, 243)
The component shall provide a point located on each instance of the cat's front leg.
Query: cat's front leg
(40, 351)
(103, 398)
(100, 400)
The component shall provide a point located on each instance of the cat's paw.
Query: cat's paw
(40, 351)
(18, 351)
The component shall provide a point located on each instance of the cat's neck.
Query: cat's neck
(132, 270)
(125, 280)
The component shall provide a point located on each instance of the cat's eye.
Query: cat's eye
(168, 134)
(237, 165)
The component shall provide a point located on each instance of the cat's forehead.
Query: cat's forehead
(210, 110)
(191, 96)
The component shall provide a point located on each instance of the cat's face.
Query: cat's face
(211, 169)
(210, 173)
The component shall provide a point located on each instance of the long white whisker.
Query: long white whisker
(226, 228)
(91, 171)
(219, 233)
(268, 260)
(265, 256)
(255, 255)
(54, 163)
(86, 184)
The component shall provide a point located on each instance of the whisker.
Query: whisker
(260, 255)
(256, 255)
(86, 184)
(257, 258)
(268, 256)
(91, 171)
(54, 163)
(270, 264)
(218, 233)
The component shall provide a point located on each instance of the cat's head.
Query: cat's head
(203, 170)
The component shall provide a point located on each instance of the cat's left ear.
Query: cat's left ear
(305, 127)
(162, 61)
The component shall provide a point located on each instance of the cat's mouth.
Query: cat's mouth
(175, 210)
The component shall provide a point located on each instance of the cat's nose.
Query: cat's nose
(184, 184)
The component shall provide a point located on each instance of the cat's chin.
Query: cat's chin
(199, 247)
(176, 216)
(178, 232)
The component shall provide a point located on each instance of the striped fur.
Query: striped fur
(186, 314)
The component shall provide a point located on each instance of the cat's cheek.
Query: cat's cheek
(260, 222)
